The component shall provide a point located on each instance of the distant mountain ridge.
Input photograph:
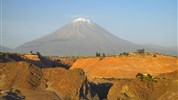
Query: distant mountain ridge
(81, 37)
(6, 49)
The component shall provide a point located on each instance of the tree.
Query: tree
(31, 52)
(97, 54)
(141, 50)
(38, 53)
(103, 54)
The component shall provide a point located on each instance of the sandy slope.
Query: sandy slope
(126, 67)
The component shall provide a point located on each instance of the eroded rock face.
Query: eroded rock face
(19, 74)
(68, 84)
(49, 83)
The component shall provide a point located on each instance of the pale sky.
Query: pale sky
(138, 21)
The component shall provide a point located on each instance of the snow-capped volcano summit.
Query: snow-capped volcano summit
(82, 20)
(81, 37)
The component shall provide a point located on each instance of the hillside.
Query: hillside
(126, 66)
(112, 78)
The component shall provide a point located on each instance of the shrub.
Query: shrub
(149, 76)
(139, 75)
(103, 54)
(124, 53)
(144, 76)
(141, 50)
(97, 54)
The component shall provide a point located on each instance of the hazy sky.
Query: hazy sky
(139, 21)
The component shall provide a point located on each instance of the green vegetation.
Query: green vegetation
(38, 53)
(124, 53)
(141, 51)
(103, 54)
(139, 75)
(97, 54)
(144, 76)
(31, 52)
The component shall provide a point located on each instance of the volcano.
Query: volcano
(81, 37)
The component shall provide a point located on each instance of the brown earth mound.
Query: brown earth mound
(126, 66)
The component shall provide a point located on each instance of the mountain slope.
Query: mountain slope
(79, 37)
(6, 49)
(83, 37)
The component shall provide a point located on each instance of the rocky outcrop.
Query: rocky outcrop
(19, 75)
(68, 84)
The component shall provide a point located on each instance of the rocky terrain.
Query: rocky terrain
(38, 60)
(36, 83)
(68, 84)
(34, 77)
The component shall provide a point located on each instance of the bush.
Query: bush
(149, 76)
(124, 53)
(145, 76)
(139, 75)
(97, 54)
(141, 50)
(103, 54)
